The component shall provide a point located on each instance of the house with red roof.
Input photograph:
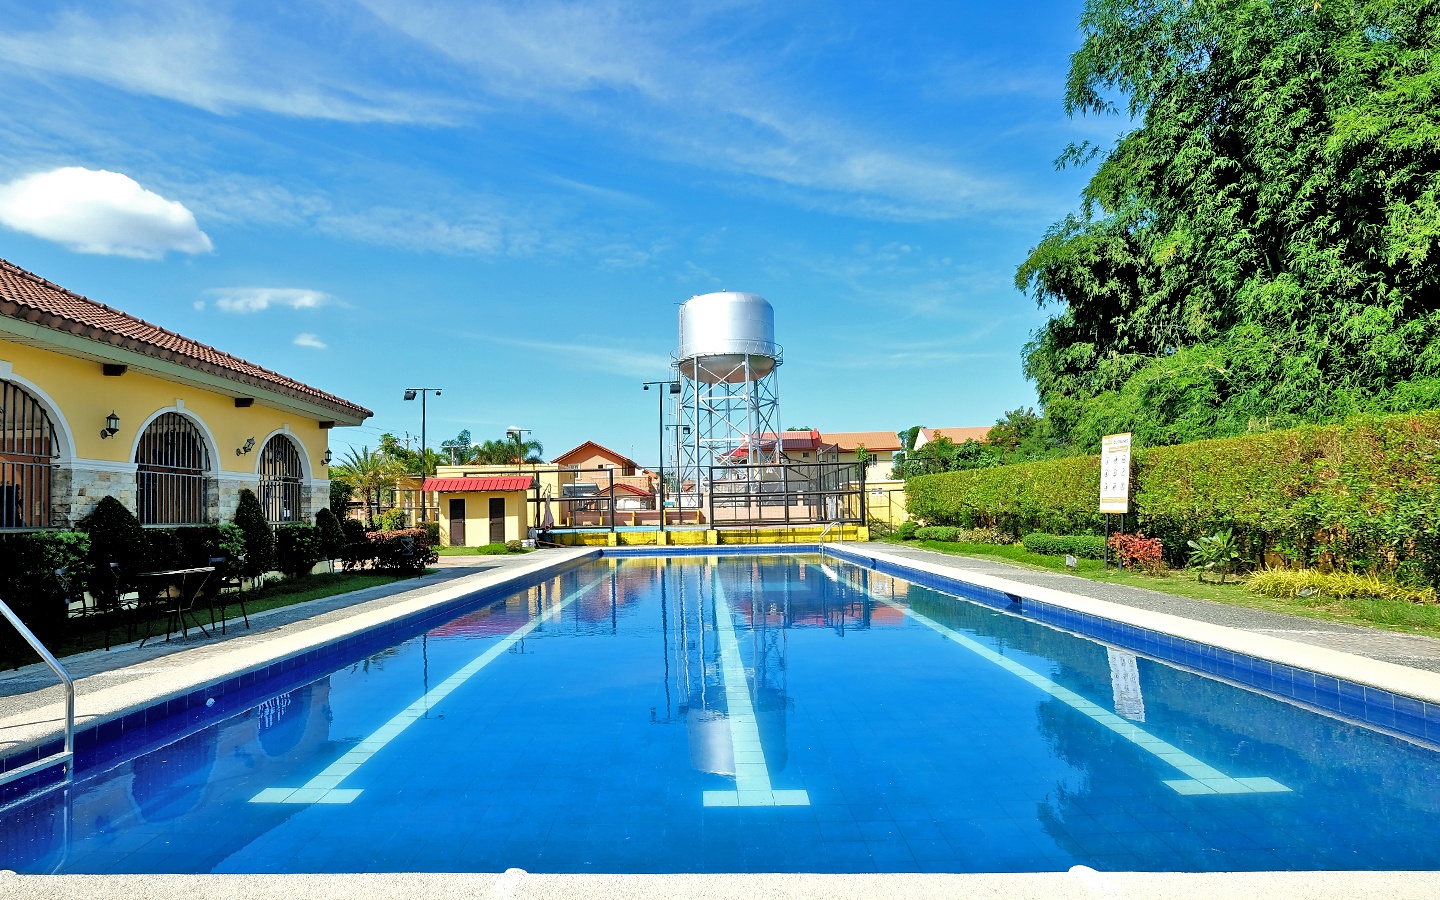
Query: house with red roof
(100, 403)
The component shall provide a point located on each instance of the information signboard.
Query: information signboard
(1115, 473)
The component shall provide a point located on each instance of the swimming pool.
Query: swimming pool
(733, 714)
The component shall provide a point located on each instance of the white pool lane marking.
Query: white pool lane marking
(752, 775)
(1202, 779)
(325, 787)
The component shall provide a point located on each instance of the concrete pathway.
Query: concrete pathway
(1414, 650)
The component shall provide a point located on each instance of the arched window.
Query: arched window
(281, 477)
(27, 452)
(173, 474)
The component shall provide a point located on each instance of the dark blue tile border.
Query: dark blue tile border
(102, 742)
(1383, 709)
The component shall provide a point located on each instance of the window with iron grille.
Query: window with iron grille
(281, 477)
(174, 473)
(27, 459)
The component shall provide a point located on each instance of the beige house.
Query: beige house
(478, 509)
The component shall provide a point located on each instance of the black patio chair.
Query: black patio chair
(224, 588)
(91, 605)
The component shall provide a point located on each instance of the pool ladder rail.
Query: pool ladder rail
(67, 756)
(826, 530)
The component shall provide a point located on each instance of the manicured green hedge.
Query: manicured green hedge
(1364, 494)
(1088, 546)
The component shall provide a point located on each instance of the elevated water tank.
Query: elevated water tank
(719, 332)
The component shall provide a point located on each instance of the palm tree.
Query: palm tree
(370, 473)
(509, 452)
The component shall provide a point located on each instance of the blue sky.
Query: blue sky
(509, 200)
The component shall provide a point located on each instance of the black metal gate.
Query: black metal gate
(27, 453)
(174, 472)
(281, 480)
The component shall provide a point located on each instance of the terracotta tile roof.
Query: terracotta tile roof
(849, 441)
(480, 483)
(30, 298)
(959, 435)
(596, 450)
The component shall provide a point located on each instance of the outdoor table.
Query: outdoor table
(181, 587)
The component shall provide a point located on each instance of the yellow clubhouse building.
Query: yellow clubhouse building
(94, 402)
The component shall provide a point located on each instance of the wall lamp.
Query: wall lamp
(112, 426)
(327, 457)
(249, 445)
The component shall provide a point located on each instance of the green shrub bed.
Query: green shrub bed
(1363, 495)
(1086, 546)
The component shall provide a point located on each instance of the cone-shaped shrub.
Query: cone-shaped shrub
(259, 539)
(115, 536)
(332, 536)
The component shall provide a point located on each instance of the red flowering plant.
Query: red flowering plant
(1136, 551)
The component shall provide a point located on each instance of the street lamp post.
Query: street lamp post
(660, 495)
(516, 435)
(424, 394)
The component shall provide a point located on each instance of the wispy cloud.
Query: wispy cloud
(258, 299)
(607, 357)
(203, 58)
(306, 339)
(97, 211)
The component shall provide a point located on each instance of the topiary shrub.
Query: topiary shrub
(513, 546)
(259, 539)
(298, 547)
(906, 531)
(115, 536)
(332, 535)
(391, 520)
(230, 542)
(1086, 546)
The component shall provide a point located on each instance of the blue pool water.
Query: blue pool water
(741, 714)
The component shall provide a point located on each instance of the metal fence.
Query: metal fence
(794, 494)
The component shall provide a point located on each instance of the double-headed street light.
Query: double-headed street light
(424, 394)
(660, 497)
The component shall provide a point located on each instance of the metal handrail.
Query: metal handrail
(67, 757)
(826, 530)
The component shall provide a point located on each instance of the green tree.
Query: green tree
(1265, 244)
(115, 536)
(369, 474)
(332, 536)
(259, 539)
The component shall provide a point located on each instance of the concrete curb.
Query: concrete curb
(1080, 883)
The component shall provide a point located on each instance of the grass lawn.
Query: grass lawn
(277, 593)
(487, 550)
(1392, 615)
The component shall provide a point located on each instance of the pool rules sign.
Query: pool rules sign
(1115, 473)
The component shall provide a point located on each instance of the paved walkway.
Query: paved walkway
(1416, 651)
(32, 687)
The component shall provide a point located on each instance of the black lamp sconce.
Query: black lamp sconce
(112, 426)
(249, 445)
(327, 457)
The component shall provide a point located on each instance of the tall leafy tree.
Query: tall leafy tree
(1264, 245)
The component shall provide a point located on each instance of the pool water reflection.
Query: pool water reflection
(746, 714)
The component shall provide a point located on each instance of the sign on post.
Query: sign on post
(1115, 473)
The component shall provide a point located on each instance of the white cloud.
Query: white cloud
(306, 339)
(257, 299)
(97, 211)
(218, 63)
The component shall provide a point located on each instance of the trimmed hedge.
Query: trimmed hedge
(407, 551)
(1364, 494)
(298, 547)
(1087, 546)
